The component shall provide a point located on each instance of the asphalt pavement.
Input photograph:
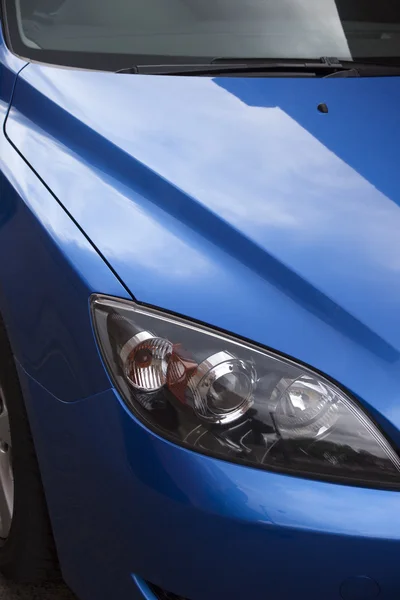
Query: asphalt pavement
(51, 591)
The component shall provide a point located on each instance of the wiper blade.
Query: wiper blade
(325, 62)
(220, 66)
(323, 67)
(367, 69)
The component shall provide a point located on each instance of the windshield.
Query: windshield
(111, 34)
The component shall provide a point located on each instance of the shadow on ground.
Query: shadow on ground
(50, 591)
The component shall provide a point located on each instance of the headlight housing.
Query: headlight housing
(235, 401)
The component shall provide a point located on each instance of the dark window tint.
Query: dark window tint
(111, 34)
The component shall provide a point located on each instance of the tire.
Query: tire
(27, 554)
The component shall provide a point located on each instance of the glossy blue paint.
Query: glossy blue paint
(233, 202)
(48, 271)
(235, 214)
(199, 527)
(143, 588)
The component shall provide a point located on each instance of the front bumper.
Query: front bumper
(125, 503)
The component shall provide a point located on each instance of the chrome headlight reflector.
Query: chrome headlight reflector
(235, 401)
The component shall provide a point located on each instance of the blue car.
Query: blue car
(200, 298)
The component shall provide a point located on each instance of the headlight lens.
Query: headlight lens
(220, 389)
(235, 401)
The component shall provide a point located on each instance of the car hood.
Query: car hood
(236, 202)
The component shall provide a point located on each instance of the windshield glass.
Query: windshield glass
(108, 34)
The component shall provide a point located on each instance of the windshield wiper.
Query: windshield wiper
(221, 66)
(323, 67)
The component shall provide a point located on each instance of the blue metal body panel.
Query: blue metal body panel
(236, 215)
(47, 273)
(235, 203)
(124, 501)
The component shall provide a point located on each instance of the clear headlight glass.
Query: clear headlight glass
(237, 402)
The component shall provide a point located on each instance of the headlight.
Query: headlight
(235, 401)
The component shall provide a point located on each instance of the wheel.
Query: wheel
(27, 550)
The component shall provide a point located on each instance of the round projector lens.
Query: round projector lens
(227, 392)
(145, 361)
(307, 409)
(222, 388)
